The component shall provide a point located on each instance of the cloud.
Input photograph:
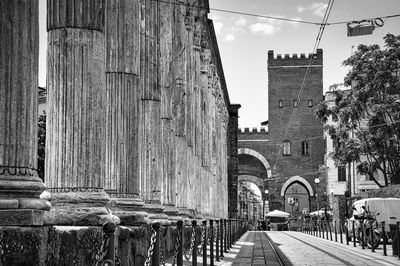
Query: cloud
(240, 22)
(229, 37)
(218, 27)
(264, 28)
(300, 9)
(318, 9)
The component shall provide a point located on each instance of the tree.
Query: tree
(367, 117)
(41, 145)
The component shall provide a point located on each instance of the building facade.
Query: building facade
(289, 156)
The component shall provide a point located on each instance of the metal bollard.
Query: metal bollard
(230, 233)
(347, 233)
(335, 232)
(362, 236)
(323, 230)
(211, 243)
(372, 236)
(109, 230)
(204, 241)
(384, 239)
(221, 247)
(225, 236)
(341, 232)
(398, 239)
(217, 241)
(194, 251)
(179, 258)
(354, 234)
(155, 259)
(330, 230)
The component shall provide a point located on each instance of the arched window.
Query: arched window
(304, 148)
(310, 103)
(280, 104)
(295, 103)
(286, 148)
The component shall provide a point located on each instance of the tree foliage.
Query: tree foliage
(41, 145)
(366, 127)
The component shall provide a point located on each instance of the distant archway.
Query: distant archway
(258, 156)
(253, 179)
(297, 179)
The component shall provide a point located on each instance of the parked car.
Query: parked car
(371, 212)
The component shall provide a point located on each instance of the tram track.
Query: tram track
(281, 259)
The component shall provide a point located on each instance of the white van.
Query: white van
(386, 209)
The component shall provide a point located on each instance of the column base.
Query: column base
(173, 214)
(130, 211)
(156, 213)
(80, 208)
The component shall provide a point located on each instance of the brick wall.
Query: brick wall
(295, 124)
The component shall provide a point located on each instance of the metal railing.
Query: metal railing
(211, 240)
(369, 234)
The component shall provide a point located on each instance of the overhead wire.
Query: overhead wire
(275, 17)
(315, 48)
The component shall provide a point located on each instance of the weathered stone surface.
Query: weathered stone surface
(19, 48)
(21, 217)
(8, 204)
(38, 204)
(23, 245)
(133, 218)
(75, 159)
(75, 215)
(68, 245)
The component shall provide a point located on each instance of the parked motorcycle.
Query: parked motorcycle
(368, 232)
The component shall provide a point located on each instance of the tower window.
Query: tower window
(304, 148)
(295, 103)
(280, 104)
(286, 148)
(341, 173)
(310, 103)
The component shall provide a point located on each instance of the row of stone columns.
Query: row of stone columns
(136, 110)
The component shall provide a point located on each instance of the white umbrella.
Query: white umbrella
(277, 213)
(320, 213)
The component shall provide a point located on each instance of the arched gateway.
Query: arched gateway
(296, 192)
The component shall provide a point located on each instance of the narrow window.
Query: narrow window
(280, 104)
(310, 103)
(295, 103)
(341, 173)
(286, 148)
(304, 148)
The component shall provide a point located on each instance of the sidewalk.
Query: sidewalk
(301, 249)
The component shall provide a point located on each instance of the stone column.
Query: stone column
(75, 143)
(122, 48)
(20, 185)
(232, 159)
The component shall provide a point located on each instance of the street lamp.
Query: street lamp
(316, 180)
(264, 199)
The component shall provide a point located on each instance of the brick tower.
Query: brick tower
(295, 135)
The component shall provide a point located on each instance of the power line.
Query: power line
(315, 48)
(274, 17)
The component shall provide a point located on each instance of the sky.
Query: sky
(244, 42)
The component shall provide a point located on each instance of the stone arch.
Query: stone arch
(258, 156)
(297, 179)
(251, 178)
